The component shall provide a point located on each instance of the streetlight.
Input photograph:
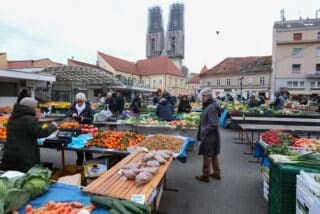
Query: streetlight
(241, 78)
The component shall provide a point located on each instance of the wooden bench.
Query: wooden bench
(110, 184)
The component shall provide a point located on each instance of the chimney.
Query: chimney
(3, 61)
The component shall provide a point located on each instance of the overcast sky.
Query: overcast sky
(60, 29)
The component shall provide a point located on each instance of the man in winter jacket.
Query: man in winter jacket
(164, 110)
(209, 136)
(21, 151)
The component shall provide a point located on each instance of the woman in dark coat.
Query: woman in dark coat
(184, 105)
(81, 111)
(21, 151)
(165, 110)
(209, 136)
(136, 105)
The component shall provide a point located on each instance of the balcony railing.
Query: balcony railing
(288, 42)
(236, 86)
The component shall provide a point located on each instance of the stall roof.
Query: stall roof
(134, 88)
(6, 73)
(89, 75)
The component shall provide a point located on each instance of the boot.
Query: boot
(218, 177)
(203, 178)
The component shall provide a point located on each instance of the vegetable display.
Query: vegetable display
(56, 104)
(120, 206)
(274, 137)
(311, 159)
(120, 140)
(69, 125)
(17, 191)
(309, 144)
(53, 207)
(162, 142)
(3, 133)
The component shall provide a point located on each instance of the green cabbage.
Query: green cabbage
(15, 198)
(35, 185)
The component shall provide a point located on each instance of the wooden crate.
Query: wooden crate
(110, 184)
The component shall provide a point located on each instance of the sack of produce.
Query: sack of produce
(130, 174)
(152, 170)
(153, 163)
(143, 178)
(160, 159)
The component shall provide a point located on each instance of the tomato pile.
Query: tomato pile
(275, 137)
(3, 133)
(119, 140)
(53, 207)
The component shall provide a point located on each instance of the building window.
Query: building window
(294, 84)
(297, 36)
(318, 68)
(289, 84)
(312, 84)
(218, 82)
(318, 36)
(228, 82)
(301, 84)
(261, 80)
(297, 52)
(296, 68)
(160, 82)
(8, 89)
(154, 82)
(142, 82)
(318, 51)
(208, 83)
(170, 80)
(153, 44)
(250, 81)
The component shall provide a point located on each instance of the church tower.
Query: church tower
(175, 34)
(155, 34)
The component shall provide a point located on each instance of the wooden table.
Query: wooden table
(235, 120)
(110, 184)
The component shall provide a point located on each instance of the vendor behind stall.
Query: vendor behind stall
(21, 151)
(184, 105)
(82, 112)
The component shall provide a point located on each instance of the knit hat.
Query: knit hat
(28, 101)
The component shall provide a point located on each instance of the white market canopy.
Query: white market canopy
(13, 74)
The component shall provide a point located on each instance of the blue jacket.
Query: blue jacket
(165, 111)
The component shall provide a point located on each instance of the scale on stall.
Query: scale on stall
(62, 139)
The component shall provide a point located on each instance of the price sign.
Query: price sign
(138, 198)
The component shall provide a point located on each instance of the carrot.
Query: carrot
(76, 204)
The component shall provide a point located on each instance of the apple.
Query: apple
(95, 129)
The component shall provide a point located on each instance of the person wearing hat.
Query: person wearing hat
(21, 151)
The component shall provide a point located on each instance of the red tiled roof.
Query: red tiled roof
(12, 64)
(119, 64)
(240, 65)
(158, 65)
(84, 64)
(204, 69)
(195, 80)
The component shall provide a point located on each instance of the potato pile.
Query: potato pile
(162, 142)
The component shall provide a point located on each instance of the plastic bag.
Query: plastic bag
(152, 170)
(143, 178)
(132, 166)
(149, 156)
(130, 173)
(160, 159)
(153, 163)
(164, 155)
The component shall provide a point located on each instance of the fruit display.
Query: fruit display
(273, 137)
(3, 133)
(5, 109)
(162, 142)
(69, 125)
(88, 128)
(183, 124)
(53, 207)
(4, 120)
(307, 143)
(56, 104)
(119, 140)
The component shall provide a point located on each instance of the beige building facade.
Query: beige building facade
(239, 76)
(296, 56)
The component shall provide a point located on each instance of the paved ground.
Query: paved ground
(239, 191)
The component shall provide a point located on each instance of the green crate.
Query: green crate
(282, 187)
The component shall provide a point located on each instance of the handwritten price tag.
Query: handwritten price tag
(138, 198)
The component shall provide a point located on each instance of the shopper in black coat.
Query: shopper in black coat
(21, 151)
(120, 103)
(165, 110)
(184, 105)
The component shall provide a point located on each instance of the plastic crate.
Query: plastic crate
(282, 187)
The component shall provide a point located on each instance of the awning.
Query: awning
(133, 88)
(297, 92)
(5, 73)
